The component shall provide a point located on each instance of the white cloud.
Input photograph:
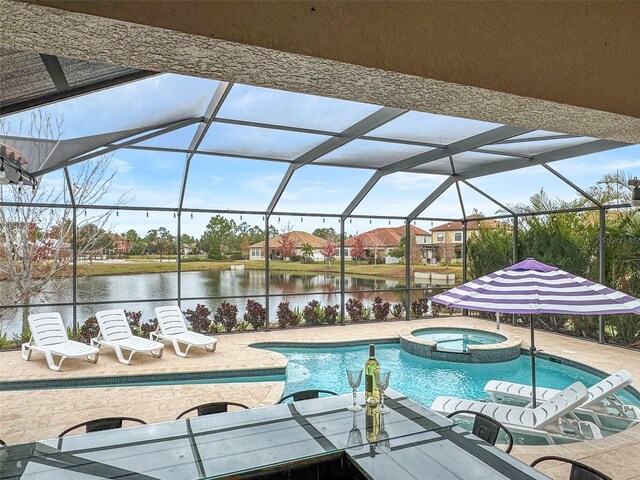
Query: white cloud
(412, 181)
(265, 183)
(121, 165)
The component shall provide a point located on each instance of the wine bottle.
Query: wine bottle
(371, 367)
(372, 427)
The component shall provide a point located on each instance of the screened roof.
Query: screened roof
(31, 79)
(213, 123)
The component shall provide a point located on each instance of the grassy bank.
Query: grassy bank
(149, 266)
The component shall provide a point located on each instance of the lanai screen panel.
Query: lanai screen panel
(288, 109)
(370, 154)
(275, 128)
(431, 128)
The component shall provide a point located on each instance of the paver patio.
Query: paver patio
(33, 415)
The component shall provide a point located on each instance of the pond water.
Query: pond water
(298, 288)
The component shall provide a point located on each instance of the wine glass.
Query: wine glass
(382, 381)
(354, 441)
(355, 378)
(382, 439)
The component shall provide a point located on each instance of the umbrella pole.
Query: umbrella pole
(532, 352)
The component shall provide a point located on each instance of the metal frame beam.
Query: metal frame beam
(54, 69)
(373, 121)
(407, 267)
(74, 252)
(602, 232)
(573, 185)
(440, 189)
(361, 194)
(488, 197)
(560, 136)
(480, 140)
(218, 98)
(595, 146)
(154, 132)
(74, 92)
(464, 213)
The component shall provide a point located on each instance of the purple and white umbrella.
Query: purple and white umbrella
(532, 287)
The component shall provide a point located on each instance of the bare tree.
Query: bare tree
(36, 239)
(448, 252)
(375, 243)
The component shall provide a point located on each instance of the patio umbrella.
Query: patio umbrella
(532, 287)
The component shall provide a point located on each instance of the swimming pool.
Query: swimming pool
(423, 379)
(458, 339)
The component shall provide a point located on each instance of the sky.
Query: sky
(149, 178)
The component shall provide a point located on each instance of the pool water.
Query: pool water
(423, 379)
(458, 339)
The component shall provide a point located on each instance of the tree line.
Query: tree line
(570, 241)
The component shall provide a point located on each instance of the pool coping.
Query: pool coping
(137, 380)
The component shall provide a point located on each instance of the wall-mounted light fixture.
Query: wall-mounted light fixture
(635, 195)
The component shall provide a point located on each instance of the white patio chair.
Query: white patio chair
(49, 337)
(601, 398)
(116, 333)
(173, 328)
(549, 420)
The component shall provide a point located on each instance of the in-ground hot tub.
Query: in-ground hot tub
(458, 339)
(461, 344)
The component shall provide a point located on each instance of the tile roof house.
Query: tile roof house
(447, 238)
(299, 238)
(379, 242)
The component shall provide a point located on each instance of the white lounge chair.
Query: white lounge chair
(173, 328)
(601, 398)
(49, 337)
(116, 333)
(549, 420)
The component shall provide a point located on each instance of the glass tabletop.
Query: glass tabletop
(446, 454)
(218, 445)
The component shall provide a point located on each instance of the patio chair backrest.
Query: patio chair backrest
(47, 328)
(212, 408)
(607, 387)
(560, 404)
(486, 428)
(171, 320)
(113, 325)
(306, 395)
(100, 424)
(579, 470)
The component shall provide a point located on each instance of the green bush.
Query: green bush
(226, 316)
(89, 329)
(285, 315)
(397, 310)
(256, 314)
(199, 319)
(380, 309)
(330, 314)
(312, 313)
(355, 309)
(419, 307)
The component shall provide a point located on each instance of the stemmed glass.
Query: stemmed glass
(355, 378)
(382, 381)
(354, 440)
(382, 439)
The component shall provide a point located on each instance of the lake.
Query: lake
(298, 288)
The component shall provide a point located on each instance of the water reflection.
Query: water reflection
(297, 288)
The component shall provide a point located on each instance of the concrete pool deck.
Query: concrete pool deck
(39, 414)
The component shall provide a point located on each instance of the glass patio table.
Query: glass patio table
(235, 443)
